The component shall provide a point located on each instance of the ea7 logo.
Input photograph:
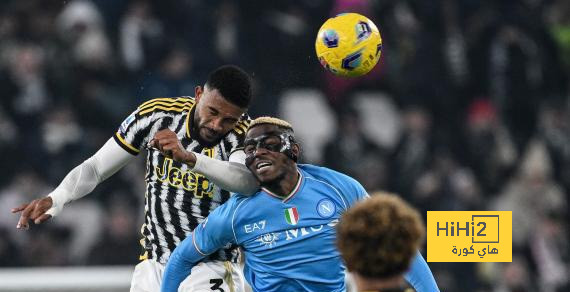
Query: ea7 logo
(249, 228)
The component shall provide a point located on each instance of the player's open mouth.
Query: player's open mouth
(263, 165)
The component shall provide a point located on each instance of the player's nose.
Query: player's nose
(260, 151)
(216, 125)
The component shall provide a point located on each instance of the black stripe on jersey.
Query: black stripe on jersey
(225, 196)
(151, 227)
(231, 254)
(139, 136)
(205, 203)
(187, 204)
(174, 218)
(181, 123)
(162, 224)
(186, 207)
(165, 123)
(125, 147)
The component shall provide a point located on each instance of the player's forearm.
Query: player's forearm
(85, 177)
(420, 276)
(179, 265)
(228, 175)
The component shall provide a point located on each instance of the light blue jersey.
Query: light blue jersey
(289, 243)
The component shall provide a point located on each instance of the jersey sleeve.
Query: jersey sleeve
(134, 131)
(419, 275)
(137, 129)
(350, 190)
(216, 230)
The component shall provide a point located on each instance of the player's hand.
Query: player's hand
(35, 211)
(168, 144)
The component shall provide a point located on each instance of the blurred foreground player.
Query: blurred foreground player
(194, 157)
(287, 229)
(378, 239)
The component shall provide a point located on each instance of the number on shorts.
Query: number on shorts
(216, 283)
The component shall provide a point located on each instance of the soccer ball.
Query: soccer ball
(348, 44)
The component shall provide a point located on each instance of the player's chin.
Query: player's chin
(209, 139)
(265, 175)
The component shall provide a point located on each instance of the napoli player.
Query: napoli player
(287, 229)
(378, 238)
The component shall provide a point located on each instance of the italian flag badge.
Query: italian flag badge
(292, 216)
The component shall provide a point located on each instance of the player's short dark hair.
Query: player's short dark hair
(233, 83)
(378, 237)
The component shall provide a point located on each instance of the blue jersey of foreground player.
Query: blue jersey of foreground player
(289, 243)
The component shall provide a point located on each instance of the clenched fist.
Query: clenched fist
(168, 144)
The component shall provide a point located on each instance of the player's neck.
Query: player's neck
(286, 184)
(367, 284)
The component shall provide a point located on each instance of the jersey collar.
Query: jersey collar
(293, 192)
(190, 120)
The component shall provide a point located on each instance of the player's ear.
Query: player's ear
(296, 150)
(198, 93)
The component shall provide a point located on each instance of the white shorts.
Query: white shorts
(205, 277)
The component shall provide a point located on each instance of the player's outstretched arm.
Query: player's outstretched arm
(78, 182)
(230, 175)
(420, 276)
(209, 236)
(180, 263)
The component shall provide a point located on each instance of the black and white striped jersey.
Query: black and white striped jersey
(176, 199)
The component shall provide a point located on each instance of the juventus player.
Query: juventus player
(194, 159)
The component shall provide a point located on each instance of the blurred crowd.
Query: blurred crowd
(478, 90)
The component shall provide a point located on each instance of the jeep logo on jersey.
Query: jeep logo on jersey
(195, 183)
(292, 216)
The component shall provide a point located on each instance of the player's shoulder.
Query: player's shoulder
(235, 200)
(166, 104)
(321, 172)
(241, 126)
(231, 209)
(327, 175)
(234, 139)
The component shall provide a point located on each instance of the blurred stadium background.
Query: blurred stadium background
(467, 110)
